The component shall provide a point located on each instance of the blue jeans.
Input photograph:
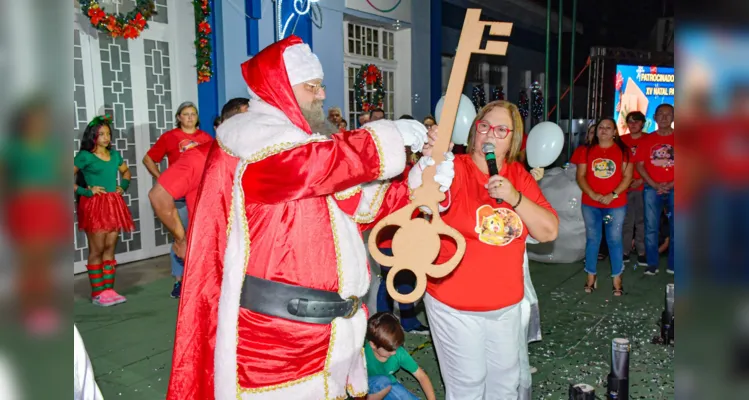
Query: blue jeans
(397, 391)
(654, 204)
(385, 302)
(178, 264)
(594, 226)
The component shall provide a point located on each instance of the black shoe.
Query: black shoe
(420, 330)
(642, 261)
(651, 271)
(627, 258)
(177, 290)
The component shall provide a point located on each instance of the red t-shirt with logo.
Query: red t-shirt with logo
(657, 152)
(182, 179)
(490, 275)
(175, 142)
(604, 172)
(632, 143)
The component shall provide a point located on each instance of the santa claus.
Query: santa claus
(275, 266)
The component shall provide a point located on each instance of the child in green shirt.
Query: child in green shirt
(385, 355)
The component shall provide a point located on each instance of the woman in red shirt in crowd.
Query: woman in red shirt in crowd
(474, 313)
(604, 176)
(172, 144)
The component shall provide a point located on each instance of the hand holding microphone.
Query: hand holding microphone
(499, 187)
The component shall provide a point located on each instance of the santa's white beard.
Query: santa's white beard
(315, 117)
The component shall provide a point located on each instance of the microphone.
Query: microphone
(491, 161)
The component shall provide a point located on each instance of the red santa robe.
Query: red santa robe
(280, 203)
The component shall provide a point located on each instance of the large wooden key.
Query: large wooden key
(416, 243)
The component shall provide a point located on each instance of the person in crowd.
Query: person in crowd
(578, 157)
(363, 118)
(216, 123)
(385, 355)
(429, 121)
(102, 212)
(343, 126)
(474, 313)
(181, 181)
(634, 221)
(37, 216)
(604, 177)
(279, 215)
(335, 115)
(655, 163)
(376, 114)
(172, 144)
(406, 116)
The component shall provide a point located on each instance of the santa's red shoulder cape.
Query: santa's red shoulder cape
(193, 359)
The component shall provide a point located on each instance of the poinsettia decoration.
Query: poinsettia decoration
(369, 75)
(128, 26)
(204, 64)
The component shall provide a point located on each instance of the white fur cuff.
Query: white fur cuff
(390, 148)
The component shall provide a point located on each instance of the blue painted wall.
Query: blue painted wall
(208, 102)
(231, 46)
(421, 62)
(327, 43)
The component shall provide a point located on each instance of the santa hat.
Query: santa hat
(301, 64)
(271, 73)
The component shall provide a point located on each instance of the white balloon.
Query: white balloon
(545, 142)
(463, 121)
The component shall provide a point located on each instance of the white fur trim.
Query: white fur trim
(390, 147)
(312, 389)
(260, 132)
(351, 256)
(235, 262)
(373, 194)
(301, 64)
(346, 344)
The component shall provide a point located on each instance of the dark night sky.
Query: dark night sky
(616, 23)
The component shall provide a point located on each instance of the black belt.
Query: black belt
(295, 303)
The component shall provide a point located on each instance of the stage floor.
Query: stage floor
(130, 345)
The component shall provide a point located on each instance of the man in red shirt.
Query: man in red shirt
(181, 181)
(655, 163)
(634, 222)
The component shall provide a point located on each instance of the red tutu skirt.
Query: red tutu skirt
(105, 212)
(39, 215)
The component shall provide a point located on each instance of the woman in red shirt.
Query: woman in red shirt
(604, 176)
(172, 144)
(474, 313)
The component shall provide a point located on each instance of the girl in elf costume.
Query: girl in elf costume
(102, 212)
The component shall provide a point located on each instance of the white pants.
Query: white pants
(84, 385)
(478, 352)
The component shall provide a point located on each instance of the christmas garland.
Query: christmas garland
(128, 26)
(368, 74)
(204, 64)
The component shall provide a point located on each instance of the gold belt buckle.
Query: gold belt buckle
(355, 308)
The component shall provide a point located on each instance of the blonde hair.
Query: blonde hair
(331, 109)
(517, 129)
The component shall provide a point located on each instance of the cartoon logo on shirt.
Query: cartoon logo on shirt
(634, 150)
(497, 226)
(603, 168)
(662, 155)
(187, 144)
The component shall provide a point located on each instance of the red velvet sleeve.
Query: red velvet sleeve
(314, 169)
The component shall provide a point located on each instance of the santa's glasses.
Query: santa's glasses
(315, 87)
